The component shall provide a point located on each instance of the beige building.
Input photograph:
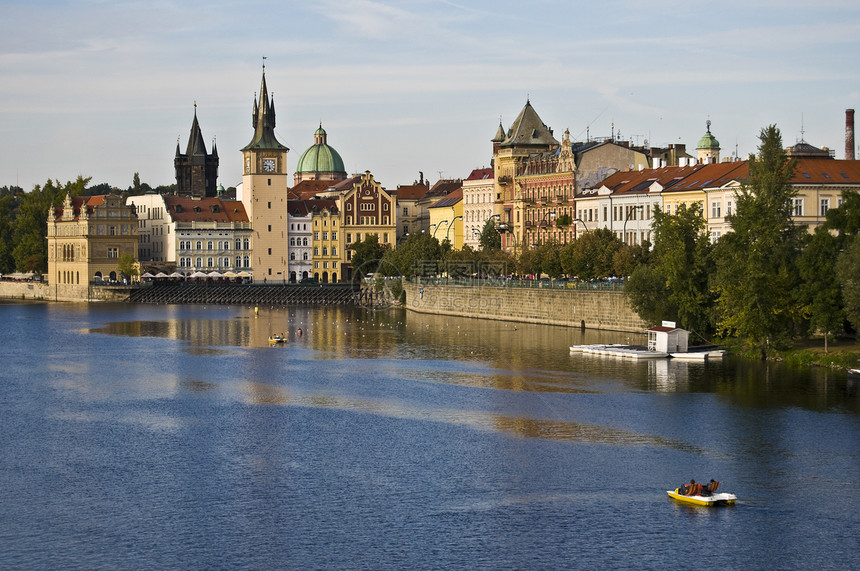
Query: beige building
(477, 205)
(86, 237)
(264, 192)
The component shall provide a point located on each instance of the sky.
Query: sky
(105, 89)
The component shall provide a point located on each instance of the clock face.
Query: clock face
(269, 165)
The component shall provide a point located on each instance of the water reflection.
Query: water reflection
(483, 354)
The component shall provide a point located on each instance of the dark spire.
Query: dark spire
(264, 121)
(196, 145)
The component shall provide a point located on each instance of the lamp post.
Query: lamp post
(551, 215)
(629, 212)
(437, 226)
(575, 220)
(451, 225)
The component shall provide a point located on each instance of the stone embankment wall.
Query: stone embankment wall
(608, 310)
(41, 291)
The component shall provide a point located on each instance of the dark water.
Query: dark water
(174, 437)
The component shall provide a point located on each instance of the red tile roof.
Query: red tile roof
(481, 174)
(184, 209)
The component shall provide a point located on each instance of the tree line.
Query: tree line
(24, 218)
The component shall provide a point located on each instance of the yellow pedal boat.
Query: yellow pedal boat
(715, 499)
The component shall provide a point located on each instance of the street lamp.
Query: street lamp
(629, 212)
(437, 226)
(575, 220)
(551, 215)
(451, 225)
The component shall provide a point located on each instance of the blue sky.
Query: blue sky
(104, 89)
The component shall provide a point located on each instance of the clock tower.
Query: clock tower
(264, 192)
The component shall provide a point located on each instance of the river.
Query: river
(175, 437)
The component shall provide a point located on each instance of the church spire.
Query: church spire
(264, 120)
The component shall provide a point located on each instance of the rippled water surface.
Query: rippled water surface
(175, 437)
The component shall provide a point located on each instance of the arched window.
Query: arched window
(246, 244)
(209, 245)
(246, 262)
(199, 245)
(304, 241)
(292, 256)
(305, 256)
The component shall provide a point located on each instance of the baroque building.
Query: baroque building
(196, 170)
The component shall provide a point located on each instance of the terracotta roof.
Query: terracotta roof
(443, 187)
(308, 188)
(481, 174)
(410, 191)
(302, 208)
(712, 175)
(78, 202)
(826, 171)
(184, 209)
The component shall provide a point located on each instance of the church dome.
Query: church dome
(320, 158)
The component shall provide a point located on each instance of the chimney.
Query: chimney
(849, 134)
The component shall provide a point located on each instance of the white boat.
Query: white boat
(625, 351)
(699, 355)
(854, 372)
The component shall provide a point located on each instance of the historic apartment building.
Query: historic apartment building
(87, 235)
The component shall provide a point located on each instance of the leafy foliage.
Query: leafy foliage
(591, 256)
(848, 270)
(490, 238)
(756, 270)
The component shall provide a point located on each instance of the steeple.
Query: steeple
(263, 121)
(196, 145)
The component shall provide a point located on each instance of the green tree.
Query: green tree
(682, 253)
(649, 295)
(366, 256)
(127, 266)
(8, 207)
(848, 271)
(490, 238)
(756, 271)
(820, 292)
(591, 256)
(419, 255)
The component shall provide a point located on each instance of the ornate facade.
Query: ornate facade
(86, 237)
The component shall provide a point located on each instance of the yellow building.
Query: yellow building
(86, 237)
(327, 239)
(446, 219)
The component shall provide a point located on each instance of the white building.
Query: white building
(477, 205)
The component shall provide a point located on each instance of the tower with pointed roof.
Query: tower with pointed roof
(708, 149)
(196, 170)
(264, 191)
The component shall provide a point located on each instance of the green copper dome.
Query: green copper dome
(320, 158)
(708, 141)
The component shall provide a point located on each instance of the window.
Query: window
(316, 235)
(113, 253)
(325, 251)
(305, 256)
(715, 209)
(199, 245)
(238, 244)
(304, 241)
(334, 250)
(246, 244)
(270, 251)
(270, 227)
(797, 207)
(825, 206)
(325, 235)
(292, 241)
(209, 245)
(334, 235)
(210, 262)
(316, 251)
(348, 238)
(269, 204)
(728, 208)
(292, 256)
(405, 211)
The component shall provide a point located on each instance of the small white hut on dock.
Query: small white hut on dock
(667, 338)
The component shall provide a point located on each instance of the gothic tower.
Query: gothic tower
(264, 191)
(196, 171)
